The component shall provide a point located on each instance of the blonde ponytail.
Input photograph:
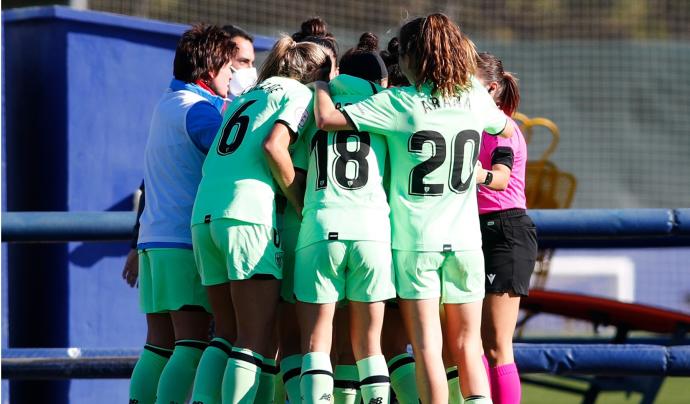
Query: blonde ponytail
(300, 61)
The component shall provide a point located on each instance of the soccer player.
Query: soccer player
(289, 332)
(343, 250)
(509, 238)
(184, 123)
(233, 220)
(433, 130)
(394, 340)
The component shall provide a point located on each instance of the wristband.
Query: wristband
(489, 178)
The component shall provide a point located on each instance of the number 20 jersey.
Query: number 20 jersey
(237, 182)
(344, 197)
(433, 145)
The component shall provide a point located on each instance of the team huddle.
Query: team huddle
(328, 217)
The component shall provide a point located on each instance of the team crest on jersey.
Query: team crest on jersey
(279, 259)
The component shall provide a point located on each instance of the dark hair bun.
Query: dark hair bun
(368, 42)
(312, 27)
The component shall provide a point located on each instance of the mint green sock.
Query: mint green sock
(374, 383)
(316, 385)
(147, 371)
(454, 396)
(242, 374)
(346, 385)
(290, 368)
(266, 391)
(403, 381)
(177, 377)
(209, 374)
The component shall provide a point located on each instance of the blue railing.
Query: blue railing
(569, 228)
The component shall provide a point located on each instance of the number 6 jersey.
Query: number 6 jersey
(433, 145)
(344, 197)
(237, 182)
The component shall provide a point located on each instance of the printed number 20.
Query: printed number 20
(438, 142)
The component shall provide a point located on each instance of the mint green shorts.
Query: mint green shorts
(168, 280)
(288, 241)
(233, 250)
(333, 270)
(456, 277)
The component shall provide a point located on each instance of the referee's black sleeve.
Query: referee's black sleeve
(503, 155)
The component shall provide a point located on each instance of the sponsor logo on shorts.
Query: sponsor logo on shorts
(491, 278)
(325, 397)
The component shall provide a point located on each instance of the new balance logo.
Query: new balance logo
(377, 400)
(326, 397)
(491, 278)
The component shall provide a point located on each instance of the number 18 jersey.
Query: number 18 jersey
(433, 144)
(237, 182)
(344, 197)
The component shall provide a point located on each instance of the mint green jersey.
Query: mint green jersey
(344, 197)
(237, 182)
(433, 144)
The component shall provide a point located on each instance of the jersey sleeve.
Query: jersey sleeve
(203, 121)
(376, 114)
(294, 112)
(494, 119)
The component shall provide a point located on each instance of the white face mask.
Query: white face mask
(242, 79)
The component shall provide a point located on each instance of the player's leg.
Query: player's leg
(290, 352)
(191, 324)
(254, 328)
(345, 376)
(289, 334)
(418, 285)
(178, 289)
(319, 284)
(316, 324)
(422, 324)
(510, 249)
(452, 375)
(463, 291)
(500, 314)
(254, 262)
(160, 339)
(401, 364)
(209, 376)
(265, 394)
(214, 276)
(369, 285)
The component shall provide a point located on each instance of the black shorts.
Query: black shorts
(509, 242)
